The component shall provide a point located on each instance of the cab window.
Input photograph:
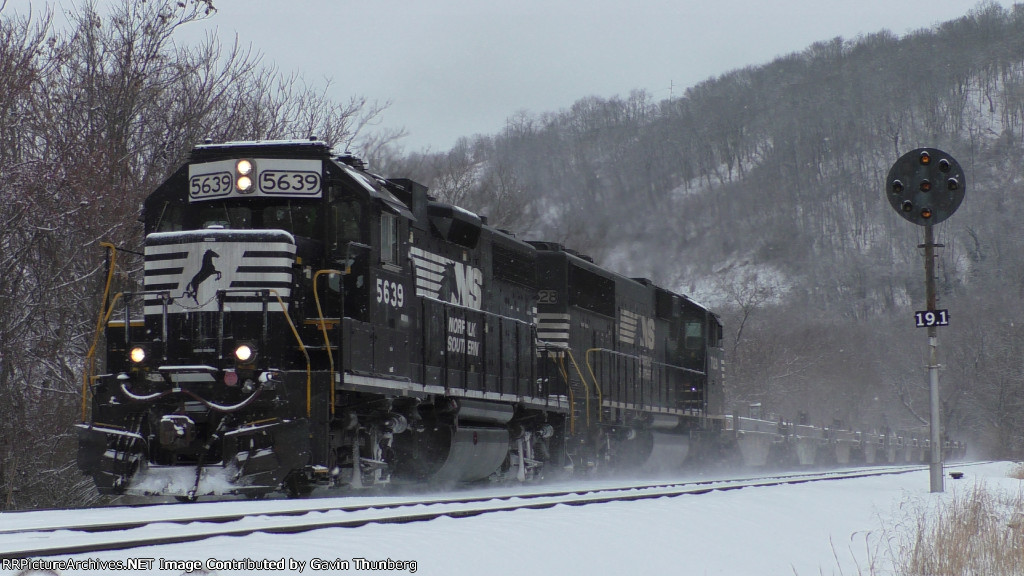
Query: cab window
(694, 335)
(220, 215)
(170, 219)
(299, 219)
(388, 238)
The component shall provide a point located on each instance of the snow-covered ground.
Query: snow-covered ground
(820, 528)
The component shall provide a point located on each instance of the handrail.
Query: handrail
(90, 357)
(582, 379)
(485, 314)
(302, 347)
(641, 359)
(572, 395)
(323, 327)
(600, 394)
(653, 363)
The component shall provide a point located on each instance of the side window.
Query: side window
(694, 335)
(388, 238)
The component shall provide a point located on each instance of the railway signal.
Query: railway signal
(925, 186)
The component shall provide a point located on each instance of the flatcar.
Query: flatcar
(303, 322)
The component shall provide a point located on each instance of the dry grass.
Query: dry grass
(978, 532)
(1017, 471)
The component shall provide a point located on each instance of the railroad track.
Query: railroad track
(189, 523)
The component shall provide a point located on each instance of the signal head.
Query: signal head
(925, 186)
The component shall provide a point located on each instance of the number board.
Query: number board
(929, 318)
(271, 177)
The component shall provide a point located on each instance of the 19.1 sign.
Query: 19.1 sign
(929, 318)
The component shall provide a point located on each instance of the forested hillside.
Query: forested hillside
(758, 192)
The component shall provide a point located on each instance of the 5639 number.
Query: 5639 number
(289, 182)
(390, 293)
(210, 185)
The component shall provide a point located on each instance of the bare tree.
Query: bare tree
(92, 118)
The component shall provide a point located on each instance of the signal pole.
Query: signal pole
(935, 464)
(925, 186)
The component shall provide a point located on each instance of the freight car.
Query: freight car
(302, 322)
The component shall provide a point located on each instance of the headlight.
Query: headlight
(244, 353)
(244, 167)
(137, 354)
(244, 172)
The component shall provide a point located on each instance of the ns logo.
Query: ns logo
(447, 280)
(636, 329)
(462, 285)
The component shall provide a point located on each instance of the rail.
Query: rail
(191, 524)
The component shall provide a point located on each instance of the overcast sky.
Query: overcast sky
(456, 68)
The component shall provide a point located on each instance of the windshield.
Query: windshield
(297, 217)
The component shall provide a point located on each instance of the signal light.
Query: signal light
(925, 158)
(926, 213)
(926, 185)
(897, 187)
(944, 165)
(907, 206)
(953, 184)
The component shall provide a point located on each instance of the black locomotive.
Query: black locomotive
(304, 322)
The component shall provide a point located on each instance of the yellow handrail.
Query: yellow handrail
(600, 395)
(582, 379)
(302, 347)
(323, 328)
(572, 395)
(90, 357)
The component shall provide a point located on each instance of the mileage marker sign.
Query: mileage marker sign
(929, 318)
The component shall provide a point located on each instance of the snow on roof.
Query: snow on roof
(222, 234)
(260, 143)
